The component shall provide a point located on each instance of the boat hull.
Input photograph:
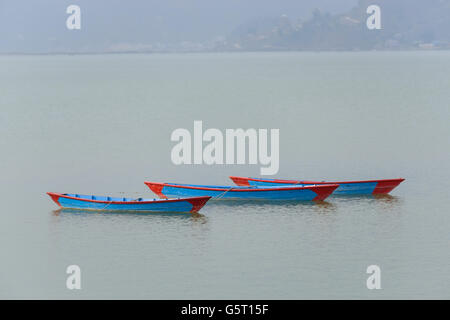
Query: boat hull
(297, 193)
(383, 186)
(87, 202)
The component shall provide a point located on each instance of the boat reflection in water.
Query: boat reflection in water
(271, 207)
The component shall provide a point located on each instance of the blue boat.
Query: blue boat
(316, 193)
(362, 187)
(89, 202)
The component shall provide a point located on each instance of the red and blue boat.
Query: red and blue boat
(362, 187)
(316, 193)
(89, 202)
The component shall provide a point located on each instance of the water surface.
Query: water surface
(101, 124)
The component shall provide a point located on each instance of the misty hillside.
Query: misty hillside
(233, 25)
(29, 26)
(406, 24)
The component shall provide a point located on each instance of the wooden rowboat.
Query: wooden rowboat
(316, 193)
(89, 202)
(383, 186)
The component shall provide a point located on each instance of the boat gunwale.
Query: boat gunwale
(241, 189)
(317, 182)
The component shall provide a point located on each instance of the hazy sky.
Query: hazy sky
(39, 25)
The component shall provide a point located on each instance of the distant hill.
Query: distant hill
(222, 25)
(138, 25)
(406, 24)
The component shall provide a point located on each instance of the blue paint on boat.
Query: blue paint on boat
(343, 189)
(224, 193)
(91, 202)
(355, 188)
(242, 193)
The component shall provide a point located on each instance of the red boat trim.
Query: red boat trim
(386, 186)
(150, 184)
(197, 204)
(323, 191)
(240, 181)
(398, 181)
(55, 197)
(156, 188)
(60, 195)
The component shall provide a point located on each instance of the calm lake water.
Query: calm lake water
(101, 124)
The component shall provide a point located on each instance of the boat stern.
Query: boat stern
(386, 186)
(323, 191)
(197, 203)
(55, 197)
(240, 181)
(156, 188)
